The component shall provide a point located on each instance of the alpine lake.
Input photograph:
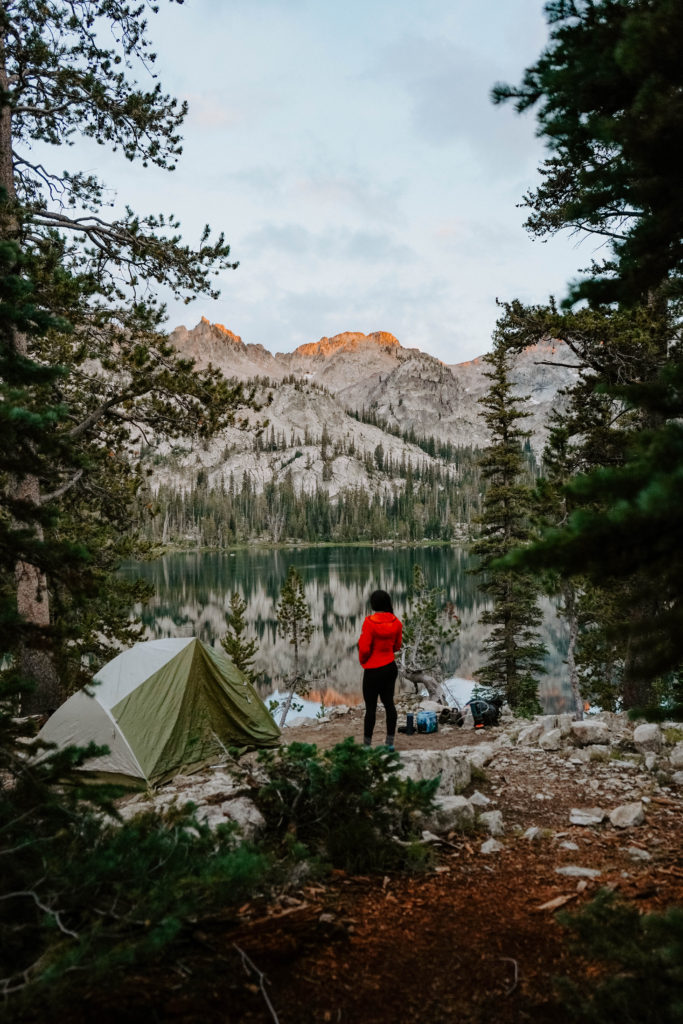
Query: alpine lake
(192, 593)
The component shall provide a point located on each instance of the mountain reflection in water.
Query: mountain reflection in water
(192, 595)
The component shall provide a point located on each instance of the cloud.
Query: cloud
(448, 89)
(331, 244)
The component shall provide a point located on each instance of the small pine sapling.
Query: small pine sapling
(239, 649)
(294, 623)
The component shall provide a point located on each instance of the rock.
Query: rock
(246, 814)
(551, 740)
(564, 724)
(131, 810)
(580, 756)
(676, 756)
(588, 733)
(429, 837)
(477, 756)
(574, 871)
(567, 844)
(491, 846)
(430, 705)
(479, 800)
(532, 833)
(677, 778)
(648, 737)
(451, 765)
(635, 853)
(530, 734)
(493, 822)
(451, 812)
(212, 816)
(586, 816)
(627, 815)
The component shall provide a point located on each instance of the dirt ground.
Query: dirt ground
(476, 940)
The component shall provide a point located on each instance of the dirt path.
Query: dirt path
(469, 942)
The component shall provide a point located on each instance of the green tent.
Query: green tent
(163, 707)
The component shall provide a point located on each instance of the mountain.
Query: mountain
(356, 437)
(405, 388)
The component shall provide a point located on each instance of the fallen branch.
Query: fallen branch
(250, 965)
(509, 960)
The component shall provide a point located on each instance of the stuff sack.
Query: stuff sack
(426, 721)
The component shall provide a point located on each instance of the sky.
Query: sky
(352, 157)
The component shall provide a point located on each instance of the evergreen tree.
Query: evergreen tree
(515, 652)
(607, 96)
(606, 91)
(66, 68)
(235, 644)
(294, 623)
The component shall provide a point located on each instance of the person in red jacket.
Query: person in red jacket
(380, 638)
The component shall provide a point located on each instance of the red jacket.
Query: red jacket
(380, 638)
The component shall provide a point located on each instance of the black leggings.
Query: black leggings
(380, 682)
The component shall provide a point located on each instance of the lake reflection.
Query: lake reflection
(193, 593)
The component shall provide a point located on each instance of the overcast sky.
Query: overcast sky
(352, 156)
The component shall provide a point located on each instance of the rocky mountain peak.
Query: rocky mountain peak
(348, 341)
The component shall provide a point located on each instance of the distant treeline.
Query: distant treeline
(408, 501)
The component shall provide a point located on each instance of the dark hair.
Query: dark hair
(381, 602)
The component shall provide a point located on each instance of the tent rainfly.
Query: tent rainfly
(163, 707)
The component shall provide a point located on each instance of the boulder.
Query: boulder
(451, 765)
(677, 778)
(588, 733)
(676, 756)
(531, 734)
(586, 815)
(627, 815)
(476, 756)
(451, 813)
(648, 737)
(551, 740)
(478, 799)
(491, 846)
(564, 723)
(493, 822)
(244, 813)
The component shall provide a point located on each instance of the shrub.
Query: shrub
(347, 806)
(644, 957)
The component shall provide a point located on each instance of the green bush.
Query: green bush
(643, 957)
(81, 891)
(347, 806)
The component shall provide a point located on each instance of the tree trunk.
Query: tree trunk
(573, 622)
(431, 683)
(32, 595)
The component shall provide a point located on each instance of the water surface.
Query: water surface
(192, 595)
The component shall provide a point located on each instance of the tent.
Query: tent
(163, 707)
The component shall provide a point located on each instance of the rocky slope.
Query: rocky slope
(324, 387)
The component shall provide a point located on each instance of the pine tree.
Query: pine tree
(515, 652)
(235, 644)
(63, 73)
(294, 623)
(606, 91)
